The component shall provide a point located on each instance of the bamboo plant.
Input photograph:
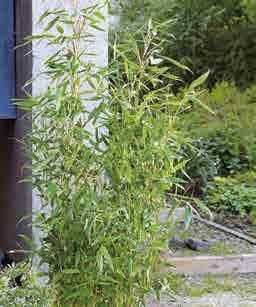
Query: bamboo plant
(101, 172)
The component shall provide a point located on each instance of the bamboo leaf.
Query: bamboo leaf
(51, 24)
(99, 15)
(176, 63)
(201, 80)
(60, 29)
(198, 101)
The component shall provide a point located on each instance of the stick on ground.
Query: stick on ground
(227, 230)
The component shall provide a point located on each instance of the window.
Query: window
(7, 77)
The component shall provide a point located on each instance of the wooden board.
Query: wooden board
(212, 264)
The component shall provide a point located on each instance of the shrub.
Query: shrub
(104, 187)
(229, 134)
(233, 195)
(202, 165)
(19, 286)
(250, 8)
(215, 35)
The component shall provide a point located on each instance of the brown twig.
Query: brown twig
(235, 233)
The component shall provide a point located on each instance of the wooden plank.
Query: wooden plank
(245, 263)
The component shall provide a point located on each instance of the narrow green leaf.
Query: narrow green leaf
(51, 24)
(176, 63)
(108, 258)
(99, 15)
(187, 217)
(98, 28)
(71, 271)
(199, 81)
(99, 260)
(196, 100)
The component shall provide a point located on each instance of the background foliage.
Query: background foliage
(215, 35)
(224, 140)
(233, 195)
(229, 133)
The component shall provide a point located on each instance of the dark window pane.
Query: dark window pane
(7, 78)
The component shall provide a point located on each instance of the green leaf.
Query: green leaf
(99, 260)
(198, 101)
(91, 82)
(126, 68)
(98, 28)
(39, 36)
(180, 165)
(101, 256)
(201, 205)
(199, 81)
(187, 217)
(71, 271)
(176, 63)
(60, 29)
(107, 257)
(99, 15)
(52, 189)
(51, 24)
(27, 104)
(44, 15)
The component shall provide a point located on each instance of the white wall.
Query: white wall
(40, 52)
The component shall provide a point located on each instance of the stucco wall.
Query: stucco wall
(40, 52)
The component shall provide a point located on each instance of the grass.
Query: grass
(221, 249)
(212, 284)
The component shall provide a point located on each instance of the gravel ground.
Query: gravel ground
(222, 243)
(211, 300)
(214, 290)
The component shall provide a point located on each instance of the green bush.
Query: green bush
(215, 35)
(250, 8)
(20, 286)
(228, 135)
(202, 165)
(104, 187)
(233, 195)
